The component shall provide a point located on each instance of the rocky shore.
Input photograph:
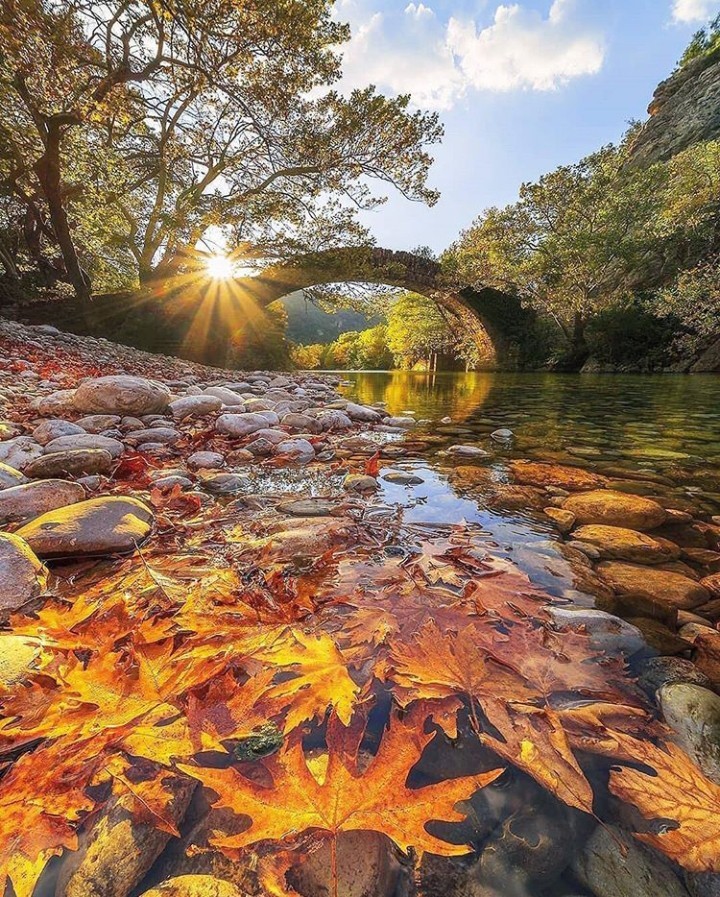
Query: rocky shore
(150, 505)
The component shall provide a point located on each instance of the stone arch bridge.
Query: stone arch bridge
(486, 314)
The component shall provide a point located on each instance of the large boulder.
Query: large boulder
(574, 479)
(99, 526)
(32, 499)
(22, 577)
(618, 543)
(121, 394)
(71, 463)
(664, 586)
(608, 508)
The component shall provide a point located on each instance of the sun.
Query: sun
(220, 267)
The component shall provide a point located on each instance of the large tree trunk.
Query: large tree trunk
(47, 169)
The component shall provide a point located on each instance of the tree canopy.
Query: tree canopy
(135, 127)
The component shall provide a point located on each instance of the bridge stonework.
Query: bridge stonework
(485, 314)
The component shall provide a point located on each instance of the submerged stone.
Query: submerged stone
(608, 508)
(660, 585)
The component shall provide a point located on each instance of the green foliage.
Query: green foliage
(570, 243)
(694, 301)
(704, 43)
(631, 335)
(130, 130)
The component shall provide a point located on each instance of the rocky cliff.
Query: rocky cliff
(685, 110)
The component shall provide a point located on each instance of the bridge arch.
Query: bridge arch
(486, 315)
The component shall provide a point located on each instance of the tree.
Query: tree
(417, 331)
(573, 243)
(223, 115)
(704, 42)
(261, 342)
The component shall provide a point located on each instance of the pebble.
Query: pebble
(693, 713)
(156, 435)
(206, 460)
(298, 450)
(19, 452)
(22, 576)
(333, 419)
(72, 462)
(402, 478)
(362, 413)
(226, 396)
(607, 632)
(357, 482)
(308, 507)
(98, 423)
(29, 500)
(52, 429)
(113, 447)
(664, 586)
(121, 394)
(240, 425)
(618, 543)
(614, 864)
(468, 451)
(98, 526)
(224, 483)
(194, 406)
(9, 477)
(194, 886)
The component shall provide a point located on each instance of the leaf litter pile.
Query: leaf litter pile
(347, 676)
(355, 662)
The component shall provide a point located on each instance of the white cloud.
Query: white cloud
(414, 51)
(694, 10)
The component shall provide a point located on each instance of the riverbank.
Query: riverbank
(258, 632)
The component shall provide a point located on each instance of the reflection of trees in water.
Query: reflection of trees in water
(428, 394)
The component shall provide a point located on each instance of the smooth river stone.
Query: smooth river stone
(659, 585)
(19, 452)
(121, 394)
(608, 508)
(10, 477)
(22, 576)
(242, 424)
(113, 447)
(75, 462)
(194, 886)
(98, 526)
(52, 429)
(32, 499)
(571, 478)
(618, 543)
(194, 406)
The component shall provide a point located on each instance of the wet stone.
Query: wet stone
(572, 479)
(22, 577)
(402, 478)
(608, 508)
(660, 585)
(99, 526)
(32, 499)
(693, 713)
(308, 507)
(357, 482)
(618, 543)
(205, 460)
(194, 886)
(655, 672)
(224, 483)
(73, 462)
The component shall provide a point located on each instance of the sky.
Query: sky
(520, 87)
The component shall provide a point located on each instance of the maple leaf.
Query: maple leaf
(320, 679)
(679, 796)
(342, 797)
(437, 665)
(372, 466)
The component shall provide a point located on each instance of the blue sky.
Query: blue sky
(521, 88)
